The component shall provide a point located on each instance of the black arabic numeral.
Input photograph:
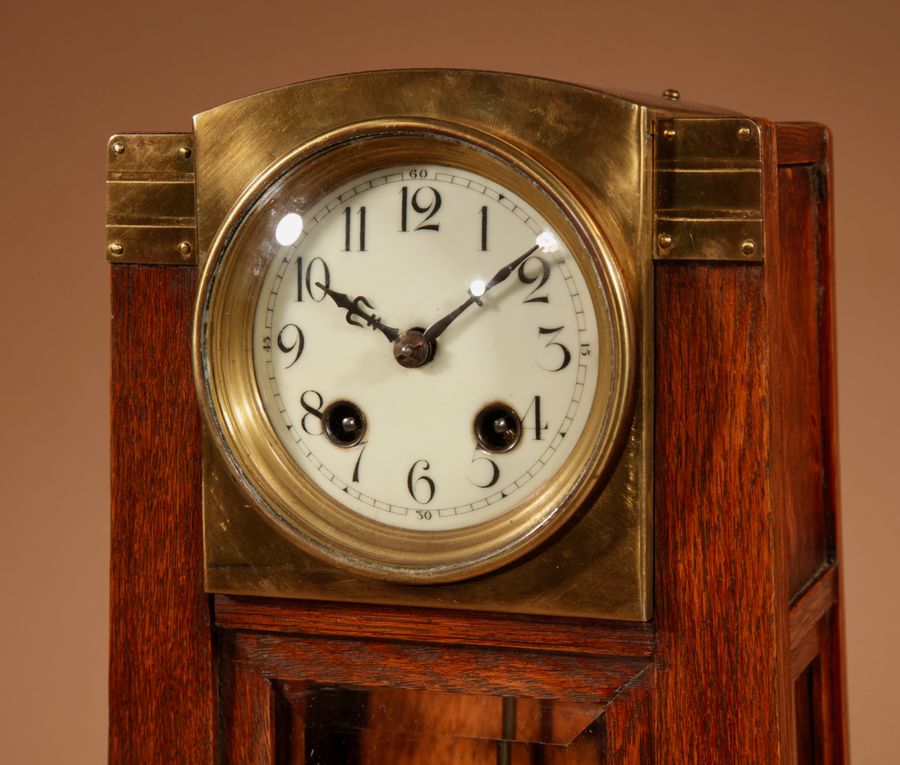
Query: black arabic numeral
(348, 229)
(541, 277)
(495, 471)
(290, 339)
(426, 201)
(413, 484)
(312, 410)
(533, 416)
(362, 448)
(566, 354)
(307, 277)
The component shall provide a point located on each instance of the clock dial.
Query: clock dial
(450, 263)
(414, 350)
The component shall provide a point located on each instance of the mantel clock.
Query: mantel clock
(463, 417)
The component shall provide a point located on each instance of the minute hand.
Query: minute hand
(436, 329)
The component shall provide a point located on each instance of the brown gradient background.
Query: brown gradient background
(72, 74)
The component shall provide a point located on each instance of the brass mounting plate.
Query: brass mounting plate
(150, 199)
(708, 178)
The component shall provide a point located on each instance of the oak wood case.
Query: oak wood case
(742, 661)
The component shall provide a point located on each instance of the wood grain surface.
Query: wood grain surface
(161, 684)
(741, 664)
(795, 391)
(435, 626)
(801, 143)
(720, 670)
(453, 669)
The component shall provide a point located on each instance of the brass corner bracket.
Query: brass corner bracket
(708, 179)
(150, 215)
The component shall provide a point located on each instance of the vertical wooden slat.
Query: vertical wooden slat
(783, 463)
(247, 713)
(719, 639)
(629, 736)
(160, 681)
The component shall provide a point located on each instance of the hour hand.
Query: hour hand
(356, 310)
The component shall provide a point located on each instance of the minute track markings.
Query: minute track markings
(557, 437)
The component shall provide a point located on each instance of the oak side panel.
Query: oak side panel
(721, 672)
(806, 245)
(798, 475)
(160, 675)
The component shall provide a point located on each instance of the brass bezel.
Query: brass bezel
(252, 450)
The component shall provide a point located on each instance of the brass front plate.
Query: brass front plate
(595, 568)
(600, 147)
(317, 522)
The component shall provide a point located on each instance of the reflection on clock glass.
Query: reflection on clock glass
(425, 345)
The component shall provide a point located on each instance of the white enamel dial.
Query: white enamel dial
(483, 424)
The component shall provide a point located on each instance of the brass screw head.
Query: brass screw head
(669, 134)
(671, 94)
(185, 152)
(744, 133)
(185, 249)
(664, 241)
(115, 249)
(748, 247)
(118, 147)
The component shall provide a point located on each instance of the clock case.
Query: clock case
(725, 246)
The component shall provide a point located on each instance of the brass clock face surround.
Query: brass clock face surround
(236, 417)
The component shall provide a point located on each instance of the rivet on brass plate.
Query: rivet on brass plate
(118, 148)
(184, 152)
(115, 249)
(664, 241)
(185, 249)
(748, 247)
(744, 133)
(669, 134)
(671, 94)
